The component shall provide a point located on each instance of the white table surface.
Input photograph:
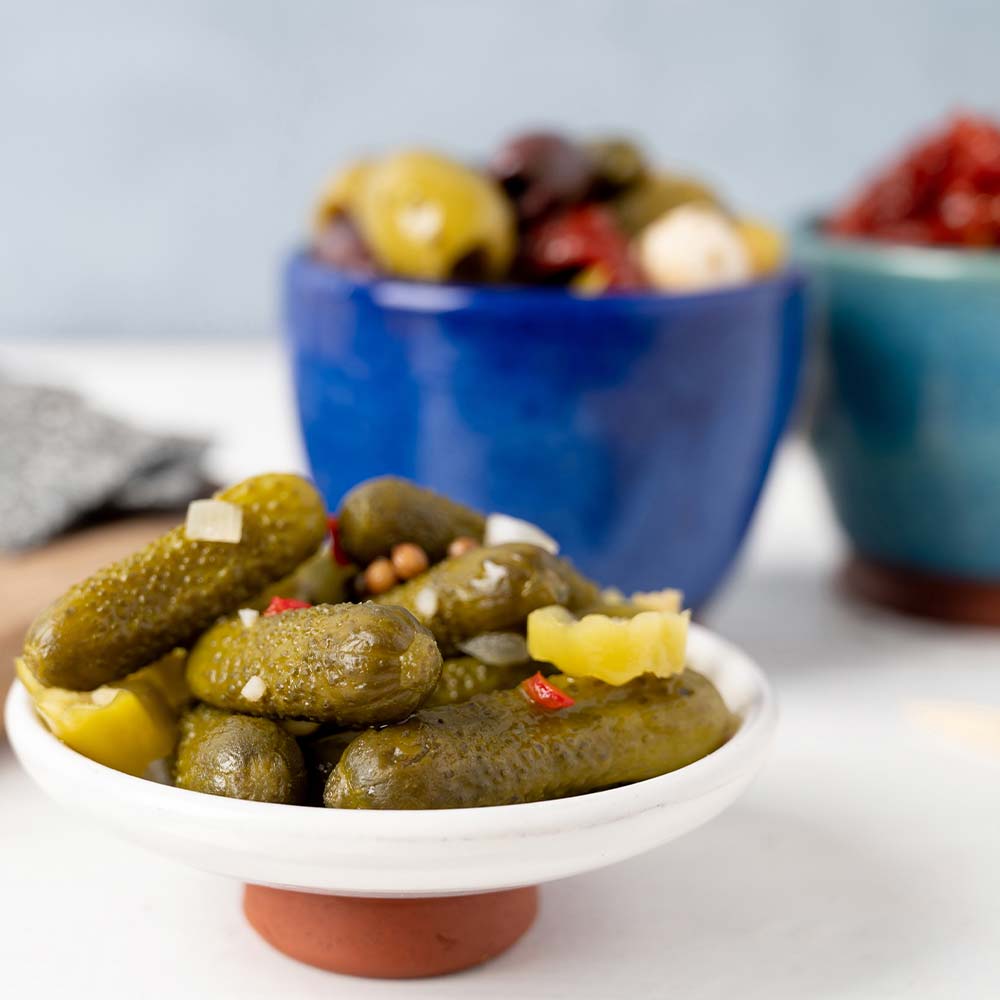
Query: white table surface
(864, 862)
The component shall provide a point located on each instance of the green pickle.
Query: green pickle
(353, 664)
(381, 513)
(463, 677)
(240, 757)
(319, 580)
(491, 589)
(501, 748)
(136, 610)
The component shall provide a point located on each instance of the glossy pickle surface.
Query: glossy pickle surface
(501, 748)
(353, 664)
(488, 589)
(239, 757)
(383, 512)
(135, 610)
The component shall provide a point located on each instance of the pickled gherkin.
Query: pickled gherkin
(463, 677)
(136, 610)
(490, 589)
(501, 748)
(238, 756)
(353, 664)
(381, 513)
(319, 580)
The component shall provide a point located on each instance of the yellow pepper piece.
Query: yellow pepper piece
(764, 245)
(614, 650)
(658, 600)
(126, 725)
(592, 280)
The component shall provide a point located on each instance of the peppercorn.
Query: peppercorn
(459, 546)
(408, 560)
(380, 576)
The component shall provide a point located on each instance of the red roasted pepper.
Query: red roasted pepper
(279, 604)
(544, 694)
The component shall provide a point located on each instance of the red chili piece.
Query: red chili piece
(279, 604)
(544, 694)
(340, 557)
(579, 238)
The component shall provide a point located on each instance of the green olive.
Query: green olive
(424, 216)
(655, 194)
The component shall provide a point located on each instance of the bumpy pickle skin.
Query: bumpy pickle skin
(352, 664)
(239, 757)
(490, 589)
(463, 677)
(141, 607)
(501, 748)
(125, 725)
(384, 512)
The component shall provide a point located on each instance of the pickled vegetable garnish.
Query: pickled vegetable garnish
(340, 557)
(544, 694)
(126, 725)
(281, 604)
(612, 649)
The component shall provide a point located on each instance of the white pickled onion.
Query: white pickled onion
(502, 528)
(497, 649)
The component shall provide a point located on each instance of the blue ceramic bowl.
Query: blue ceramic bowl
(636, 428)
(908, 418)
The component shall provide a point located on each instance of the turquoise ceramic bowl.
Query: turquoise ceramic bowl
(907, 423)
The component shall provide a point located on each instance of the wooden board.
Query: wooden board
(31, 580)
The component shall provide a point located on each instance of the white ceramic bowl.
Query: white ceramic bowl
(419, 852)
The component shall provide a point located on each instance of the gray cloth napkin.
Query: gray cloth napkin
(61, 461)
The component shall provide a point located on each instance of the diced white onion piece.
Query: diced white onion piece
(103, 696)
(426, 602)
(497, 649)
(248, 616)
(254, 689)
(493, 574)
(502, 529)
(214, 521)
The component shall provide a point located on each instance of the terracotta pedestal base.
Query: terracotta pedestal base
(927, 595)
(390, 938)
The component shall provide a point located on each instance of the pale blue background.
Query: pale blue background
(156, 158)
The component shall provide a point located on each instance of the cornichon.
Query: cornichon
(501, 748)
(136, 610)
(490, 589)
(319, 580)
(463, 677)
(238, 756)
(383, 512)
(353, 664)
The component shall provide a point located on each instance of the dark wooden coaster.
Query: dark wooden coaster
(390, 938)
(926, 595)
